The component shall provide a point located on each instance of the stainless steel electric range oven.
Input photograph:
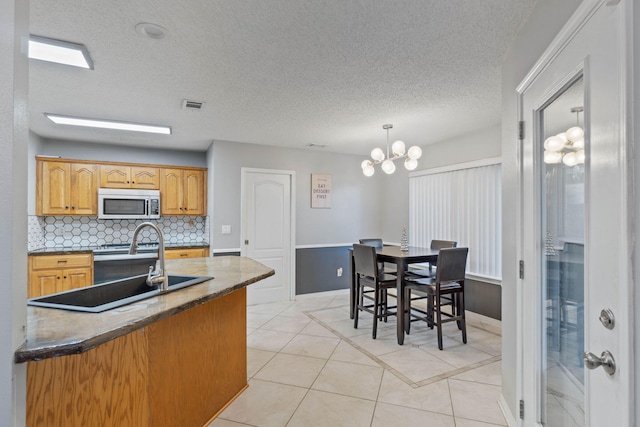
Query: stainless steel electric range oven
(113, 262)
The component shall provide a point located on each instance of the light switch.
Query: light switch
(226, 229)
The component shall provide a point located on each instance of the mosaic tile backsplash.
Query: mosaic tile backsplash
(75, 231)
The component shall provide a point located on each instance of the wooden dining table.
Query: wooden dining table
(402, 259)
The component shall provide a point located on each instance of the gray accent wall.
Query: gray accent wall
(483, 298)
(546, 20)
(316, 269)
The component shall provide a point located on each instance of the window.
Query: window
(461, 203)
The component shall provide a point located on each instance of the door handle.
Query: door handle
(605, 360)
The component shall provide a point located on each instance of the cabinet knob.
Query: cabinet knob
(58, 277)
(127, 182)
(65, 277)
(66, 207)
(73, 207)
(133, 182)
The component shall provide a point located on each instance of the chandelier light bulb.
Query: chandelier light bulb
(398, 148)
(365, 163)
(563, 137)
(575, 133)
(414, 152)
(554, 143)
(552, 157)
(580, 156)
(377, 154)
(368, 171)
(388, 167)
(578, 143)
(570, 159)
(410, 164)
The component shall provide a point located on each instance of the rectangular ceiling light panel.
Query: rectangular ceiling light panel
(59, 51)
(107, 124)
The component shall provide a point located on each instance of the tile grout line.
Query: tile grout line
(405, 379)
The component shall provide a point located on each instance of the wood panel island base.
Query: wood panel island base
(180, 369)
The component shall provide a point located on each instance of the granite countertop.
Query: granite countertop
(90, 249)
(53, 332)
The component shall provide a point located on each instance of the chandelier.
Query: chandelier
(566, 147)
(398, 149)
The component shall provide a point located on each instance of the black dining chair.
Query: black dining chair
(448, 282)
(378, 244)
(369, 276)
(428, 272)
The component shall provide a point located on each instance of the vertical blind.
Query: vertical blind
(463, 204)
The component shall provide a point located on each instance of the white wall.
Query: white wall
(14, 22)
(482, 144)
(356, 199)
(546, 20)
(34, 148)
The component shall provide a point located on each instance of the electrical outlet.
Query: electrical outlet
(339, 272)
(226, 229)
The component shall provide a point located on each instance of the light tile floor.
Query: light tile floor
(308, 366)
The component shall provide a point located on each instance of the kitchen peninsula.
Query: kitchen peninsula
(175, 359)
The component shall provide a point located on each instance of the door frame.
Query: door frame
(292, 225)
(528, 319)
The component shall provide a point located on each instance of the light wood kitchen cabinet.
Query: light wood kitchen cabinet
(186, 253)
(182, 192)
(121, 176)
(64, 188)
(49, 274)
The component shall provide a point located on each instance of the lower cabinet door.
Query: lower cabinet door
(44, 283)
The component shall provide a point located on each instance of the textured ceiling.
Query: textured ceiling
(277, 72)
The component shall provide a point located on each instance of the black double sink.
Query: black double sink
(109, 295)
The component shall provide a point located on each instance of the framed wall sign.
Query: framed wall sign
(320, 191)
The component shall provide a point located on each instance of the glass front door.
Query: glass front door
(562, 244)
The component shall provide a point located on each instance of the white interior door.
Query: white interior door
(267, 231)
(575, 226)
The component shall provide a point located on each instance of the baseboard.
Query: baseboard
(483, 322)
(508, 416)
(322, 294)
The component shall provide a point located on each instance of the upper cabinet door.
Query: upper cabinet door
(121, 176)
(115, 176)
(53, 189)
(84, 189)
(182, 192)
(145, 178)
(171, 192)
(194, 195)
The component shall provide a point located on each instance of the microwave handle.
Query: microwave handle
(147, 203)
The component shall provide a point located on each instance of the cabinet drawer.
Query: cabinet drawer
(186, 253)
(62, 261)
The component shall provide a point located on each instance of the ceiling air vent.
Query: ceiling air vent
(192, 105)
(316, 146)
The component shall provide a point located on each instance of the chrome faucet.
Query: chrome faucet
(158, 277)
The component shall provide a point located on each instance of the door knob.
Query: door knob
(605, 360)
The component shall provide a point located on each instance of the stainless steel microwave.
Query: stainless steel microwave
(115, 203)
